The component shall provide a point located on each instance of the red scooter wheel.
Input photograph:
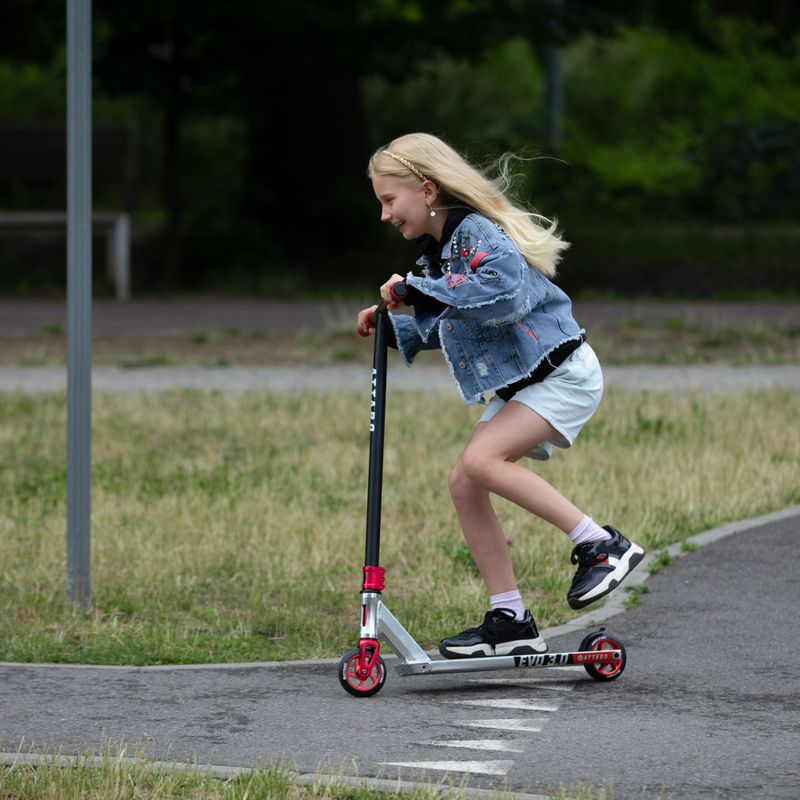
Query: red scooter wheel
(361, 685)
(612, 669)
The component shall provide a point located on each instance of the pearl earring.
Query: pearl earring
(433, 213)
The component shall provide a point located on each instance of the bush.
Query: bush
(683, 260)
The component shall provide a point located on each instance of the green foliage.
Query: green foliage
(657, 124)
(691, 122)
(484, 105)
(677, 259)
(32, 90)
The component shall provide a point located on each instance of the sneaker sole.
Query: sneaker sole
(521, 647)
(633, 555)
(473, 651)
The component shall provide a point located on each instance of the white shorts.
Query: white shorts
(566, 399)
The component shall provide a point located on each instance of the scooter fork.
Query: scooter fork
(369, 645)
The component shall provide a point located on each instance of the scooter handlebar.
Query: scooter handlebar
(398, 291)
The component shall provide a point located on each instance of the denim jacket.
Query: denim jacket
(502, 317)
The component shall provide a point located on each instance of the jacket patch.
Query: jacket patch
(475, 263)
(467, 249)
(454, 279)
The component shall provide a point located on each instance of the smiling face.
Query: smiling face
(405, 205)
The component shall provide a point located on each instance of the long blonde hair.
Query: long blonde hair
(457, 179)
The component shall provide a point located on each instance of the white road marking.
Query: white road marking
(511, 725)
(533, 683)
(474, 767)
(479, 744)
(517, 705)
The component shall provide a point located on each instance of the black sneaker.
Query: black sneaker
(602, 566)
(498, 635)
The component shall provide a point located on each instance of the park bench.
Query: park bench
(34, 157)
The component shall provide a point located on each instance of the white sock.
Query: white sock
(588, 531)
(510, 600)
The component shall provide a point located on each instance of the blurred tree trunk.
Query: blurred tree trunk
(306, 150)
(173, 193)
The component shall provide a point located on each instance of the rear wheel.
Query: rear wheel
(613, 668)
(354, 682)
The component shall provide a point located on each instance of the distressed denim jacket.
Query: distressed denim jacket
(501, 319)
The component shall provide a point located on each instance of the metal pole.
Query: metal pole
(554, 102)
(79, 299)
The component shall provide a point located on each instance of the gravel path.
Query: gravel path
(192, 315)
(39, 380)
(181, 316)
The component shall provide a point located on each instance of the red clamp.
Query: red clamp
(373, 579)
(368, 651)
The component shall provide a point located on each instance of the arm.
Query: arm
(408, 339)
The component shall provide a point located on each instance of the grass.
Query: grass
(230, 528)
(122, 773)
(113, 775)
(679, 342)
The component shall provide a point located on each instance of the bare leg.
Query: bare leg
(490, 456)
(482, 532)
(488, 465)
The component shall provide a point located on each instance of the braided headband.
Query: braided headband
(406, 163)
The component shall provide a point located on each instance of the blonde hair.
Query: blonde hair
(418, 154)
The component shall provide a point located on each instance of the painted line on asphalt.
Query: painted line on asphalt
(499, 767)
(505, 724)
(498, 745)
(545, 684)
(510, 703)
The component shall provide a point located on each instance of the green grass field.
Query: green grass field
(230, 528)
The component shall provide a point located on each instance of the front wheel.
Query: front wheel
(361, 685)
(612, 669)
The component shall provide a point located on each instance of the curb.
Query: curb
(302, 779)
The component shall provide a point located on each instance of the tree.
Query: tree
(292, 70)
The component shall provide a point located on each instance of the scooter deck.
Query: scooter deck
(415, 661)
(578, 658)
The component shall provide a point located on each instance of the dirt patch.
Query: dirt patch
(631, 344)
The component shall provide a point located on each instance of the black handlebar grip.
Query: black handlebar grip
(399, 290)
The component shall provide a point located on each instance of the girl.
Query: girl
(485, 298)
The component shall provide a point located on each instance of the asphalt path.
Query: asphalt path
(707, 706)
(182, 315)
(433, 379)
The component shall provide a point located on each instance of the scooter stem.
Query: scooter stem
(376, 433)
